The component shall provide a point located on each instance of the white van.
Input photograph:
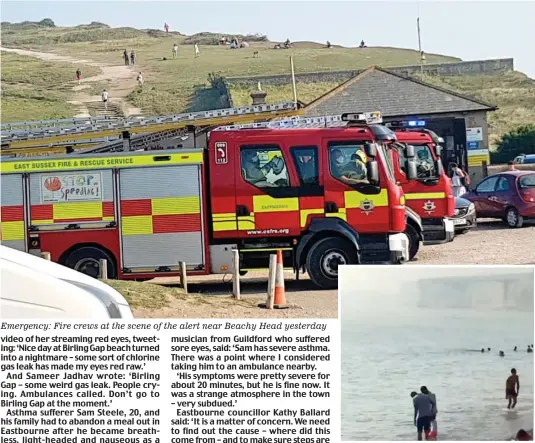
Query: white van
(35, 288)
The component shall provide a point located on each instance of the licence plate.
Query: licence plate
(460, 221)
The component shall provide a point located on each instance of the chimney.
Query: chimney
(126, 140)
(259, 96)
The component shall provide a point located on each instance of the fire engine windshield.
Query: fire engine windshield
(347, 162)
(425, 164)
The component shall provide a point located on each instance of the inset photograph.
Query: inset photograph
(437, 352)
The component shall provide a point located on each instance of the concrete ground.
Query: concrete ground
(491, 243)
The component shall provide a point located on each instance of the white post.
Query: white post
(103, 267)
(183, 276)
(293, 79)
(236, 274)
(46, 255)
(271, 280)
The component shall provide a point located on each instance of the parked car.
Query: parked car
(38, 289)
(524, 159)
(509, 196)
(464, 217)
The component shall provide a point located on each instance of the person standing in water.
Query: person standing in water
(423, 413)
(434, 425)
(512, 387)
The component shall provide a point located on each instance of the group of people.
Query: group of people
(195, 48)
(425, 407)
(502, 354)
(425, 413)
(129, 59)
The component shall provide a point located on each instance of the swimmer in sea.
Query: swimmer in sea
(514, 349)
(482, 350)
(530, 349)
(512, 387)
(502, 354)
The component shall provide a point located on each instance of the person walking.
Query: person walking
(79, 75)
(512, 386)
(457, 180)
(126, 58)
(175, 50)
(132, 58)
(105, 99)
(140, 79)
(197, 52)
(166, 27)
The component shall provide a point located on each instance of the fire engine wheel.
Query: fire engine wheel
(86, 260)
(325, 257)
(414, 241)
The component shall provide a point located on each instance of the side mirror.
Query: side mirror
(438, 150)
(372, 170)
(371, 149)
(412, 172)
(409, 151)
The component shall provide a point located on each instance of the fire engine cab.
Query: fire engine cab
(319, 189)
(430, 193)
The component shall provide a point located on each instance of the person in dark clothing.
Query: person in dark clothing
(133, 58)
(126, 58)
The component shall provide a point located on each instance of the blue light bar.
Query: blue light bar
(416, 123)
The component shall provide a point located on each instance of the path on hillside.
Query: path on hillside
(121, 78)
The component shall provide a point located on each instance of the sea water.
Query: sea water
(385, 357)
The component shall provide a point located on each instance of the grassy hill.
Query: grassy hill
(180, 85)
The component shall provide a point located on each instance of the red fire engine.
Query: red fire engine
(324, 194)
(430, 194)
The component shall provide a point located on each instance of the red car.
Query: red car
(509, 195)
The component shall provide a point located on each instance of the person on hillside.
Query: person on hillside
(79, 75)
(175, 50)
(166, 27)
(133, 58)
(126, 58)
(140, 79)
(197, 52)
(105, 98)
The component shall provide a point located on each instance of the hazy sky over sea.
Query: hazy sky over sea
(387, 291)
(471, 30)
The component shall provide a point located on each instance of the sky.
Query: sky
(383, 289)
(471, 30)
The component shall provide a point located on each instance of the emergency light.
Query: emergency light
(416, 123)
(407, 124)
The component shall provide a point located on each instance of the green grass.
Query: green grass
(35, 89)
(512, 92)
(306, 92)
(181, 85)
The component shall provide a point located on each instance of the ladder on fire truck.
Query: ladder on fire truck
(143, 130)
(297, 122)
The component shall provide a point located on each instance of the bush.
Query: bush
(519, 141)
